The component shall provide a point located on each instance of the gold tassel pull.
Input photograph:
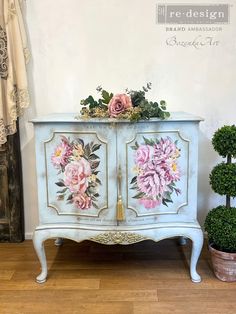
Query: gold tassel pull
(120, 210)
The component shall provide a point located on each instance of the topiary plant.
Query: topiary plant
(224, 141)
(223, 179)
(221, 227)
(220, 222)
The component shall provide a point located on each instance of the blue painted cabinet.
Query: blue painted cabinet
(113, 181)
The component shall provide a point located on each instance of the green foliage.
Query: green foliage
(223, 179)
(149, 109)
(220, 225)
(141, 107)
(224, 141)
(102, 103)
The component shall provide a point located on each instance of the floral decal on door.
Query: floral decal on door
(77, 166)
(157, 171)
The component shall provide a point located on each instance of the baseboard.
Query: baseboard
(28, 235)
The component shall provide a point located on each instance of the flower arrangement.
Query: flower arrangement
(157, 171)
(77, 163)
(131, 105)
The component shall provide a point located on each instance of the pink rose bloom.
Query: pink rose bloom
(152, 181)
(76, 175)
(118, 104)
(143, 154)
(149, 203)
(164, 150)
(82, 201)
(61, 154)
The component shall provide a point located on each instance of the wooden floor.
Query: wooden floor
(91, 278)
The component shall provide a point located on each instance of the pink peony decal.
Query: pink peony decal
(61, 154)
(77, 164)
(157, 170)
(152, 180)
(118, 104)
(149, 203)
(143, 154)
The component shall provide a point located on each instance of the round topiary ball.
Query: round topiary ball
(224, 140)
(223, 179)
(220, 225)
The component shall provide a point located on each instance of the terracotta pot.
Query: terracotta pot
(224, 264)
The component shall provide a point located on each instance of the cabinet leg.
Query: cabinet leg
(196, 250)
(58, 241)
(182, 241)
(38, 241)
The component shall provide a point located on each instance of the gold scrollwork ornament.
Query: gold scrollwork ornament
(118, 238)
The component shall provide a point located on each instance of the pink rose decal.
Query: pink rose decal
(78, 164)
(76, 175)
(157, 170)
(118, 104)
(82, 201)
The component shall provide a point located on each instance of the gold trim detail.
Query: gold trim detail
(118, 238)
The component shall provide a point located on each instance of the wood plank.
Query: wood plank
(164, 284)
(6, 274)
(55, 284)
(68, 308)
(209, 295)
(62, 295)
(186, 307)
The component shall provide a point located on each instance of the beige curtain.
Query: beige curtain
(14, 55)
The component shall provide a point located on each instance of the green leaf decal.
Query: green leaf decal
(133, 180)
(62, 191)
(60, 183)
(96, 147)
(95, 164)
(139, 195)
(98, 181)
(93, 157)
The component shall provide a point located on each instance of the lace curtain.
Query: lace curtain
(14, 56)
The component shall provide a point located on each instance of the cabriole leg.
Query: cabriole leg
(58, 241)
(182, 241)
(38, 241)
(196, 250)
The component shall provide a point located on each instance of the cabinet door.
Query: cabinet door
(79, 171)
(156, 167)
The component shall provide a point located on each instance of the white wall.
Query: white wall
(77, 45)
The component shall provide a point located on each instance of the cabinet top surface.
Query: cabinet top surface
(73, 117)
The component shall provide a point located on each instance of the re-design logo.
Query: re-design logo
(192, 14)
